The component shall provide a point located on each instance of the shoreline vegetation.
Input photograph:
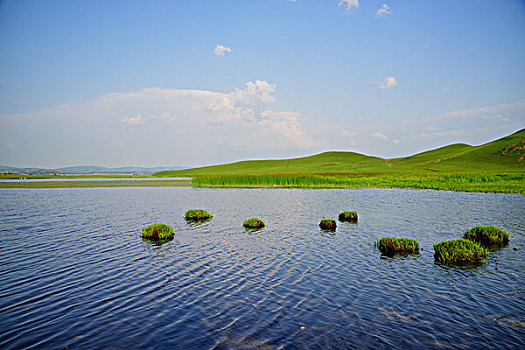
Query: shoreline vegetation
(94, 183)
(495, 183)
(499, 183)
(497, 166)
(491, 183)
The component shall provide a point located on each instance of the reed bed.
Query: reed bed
(506, 183)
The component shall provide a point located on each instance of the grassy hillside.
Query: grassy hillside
(324, 162)
(502, 155)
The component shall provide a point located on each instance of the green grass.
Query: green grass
(197, 214)
(499, 183)
(328, 224)
(459, 251)
(253, 223)
(391, 245)
(487, 235)
(158, 231)
(498, 166)
(348, 216)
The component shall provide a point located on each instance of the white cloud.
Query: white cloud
(217, 127)
(388, 83)
(136, 120)
(254, 93)
(485, 112)
(445, 133)
(379, 135)
(349, 4)
(384, 10)
(220, 50)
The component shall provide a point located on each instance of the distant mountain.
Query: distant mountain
(502, 155)
(32, 171)
(86, 169)
(91, 169)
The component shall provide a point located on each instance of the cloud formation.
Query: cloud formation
(157, 124)
(384, 10)
(220, 50)
(349, 4)
(379, 135)
(136, 120)
(388, 83)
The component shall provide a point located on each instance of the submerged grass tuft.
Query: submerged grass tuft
(391, 245)
(157, 231)
(487, 235)
(459, 251)
(197, 214)
(253, 223)
(348, 216)
(328, 224)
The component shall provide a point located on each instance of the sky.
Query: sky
(192, 83)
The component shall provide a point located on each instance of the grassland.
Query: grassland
(497, 166)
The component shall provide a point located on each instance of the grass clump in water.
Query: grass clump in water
(157, 232)
(487, 235)
(459, 251)
(348, 216)
(328, 224)
(253, 223)
(197, 214)
(391, 245)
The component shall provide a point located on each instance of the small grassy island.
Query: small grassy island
(459, 251)
(197, 215)
(328, 224)
(391, 245)
(157, 232)
(488, 236)
(253, 223)
(350, 216)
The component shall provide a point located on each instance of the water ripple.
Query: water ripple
(75, 273)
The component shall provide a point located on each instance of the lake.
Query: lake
(88, 179)
(76, 274)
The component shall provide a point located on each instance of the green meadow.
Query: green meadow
(497, 166)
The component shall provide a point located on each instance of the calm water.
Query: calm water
(96, 179)
(75, 272)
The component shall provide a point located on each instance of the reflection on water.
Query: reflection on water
(328, 233)
(198, 222)
(156, 241)
(254, 231)
(87, 179)
(76, 273)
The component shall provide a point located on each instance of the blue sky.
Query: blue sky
(199, 82)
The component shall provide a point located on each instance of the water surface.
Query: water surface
(75, 273)
(86, 179)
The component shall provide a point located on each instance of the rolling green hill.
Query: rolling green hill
(502, 155)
